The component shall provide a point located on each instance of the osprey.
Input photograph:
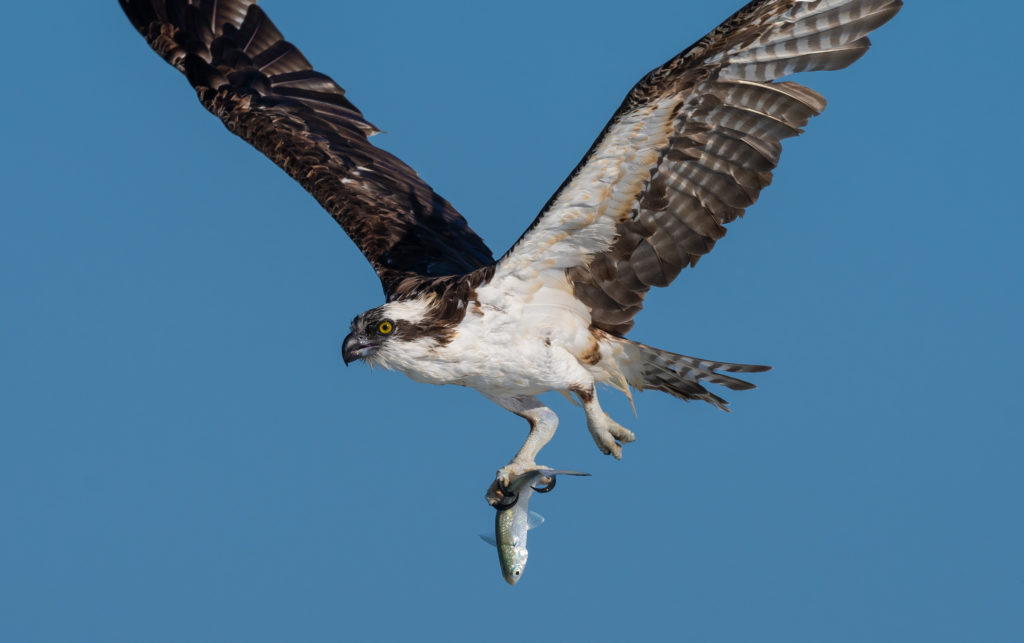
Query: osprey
(688, 150)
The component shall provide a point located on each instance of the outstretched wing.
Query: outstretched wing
(265, 91)
(689, 149)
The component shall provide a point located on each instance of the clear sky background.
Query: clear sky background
(184, 457)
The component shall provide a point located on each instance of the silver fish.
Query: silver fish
(514, 519)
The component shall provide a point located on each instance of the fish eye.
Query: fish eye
(385, 327)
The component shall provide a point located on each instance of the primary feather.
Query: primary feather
(690, 148)
(265, 91)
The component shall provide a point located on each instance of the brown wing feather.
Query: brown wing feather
(265, 91)
(729, 120)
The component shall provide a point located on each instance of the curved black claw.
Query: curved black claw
(548, 488)
(506, 505)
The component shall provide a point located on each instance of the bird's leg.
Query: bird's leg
(543, 423)
(608, 434)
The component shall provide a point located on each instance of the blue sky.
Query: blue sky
(184, 457)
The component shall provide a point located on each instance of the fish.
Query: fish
(514, 519)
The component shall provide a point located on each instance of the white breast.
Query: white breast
(517, 338)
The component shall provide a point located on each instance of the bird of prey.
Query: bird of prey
(688, 150)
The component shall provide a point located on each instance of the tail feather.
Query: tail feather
(681, 375)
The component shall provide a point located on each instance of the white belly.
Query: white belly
(516, 339)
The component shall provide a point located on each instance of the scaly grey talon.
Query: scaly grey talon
(497, 496)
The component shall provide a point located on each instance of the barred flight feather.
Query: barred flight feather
(711, 120)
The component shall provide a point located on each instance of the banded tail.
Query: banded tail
(650, 368)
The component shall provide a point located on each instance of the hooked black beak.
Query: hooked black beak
(356, 347)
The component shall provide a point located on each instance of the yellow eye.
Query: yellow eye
(385, 327)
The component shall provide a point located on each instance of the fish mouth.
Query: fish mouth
(357, 347)
(514, 575)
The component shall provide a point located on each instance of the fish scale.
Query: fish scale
(514, 520)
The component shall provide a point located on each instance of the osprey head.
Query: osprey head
(380, 326)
